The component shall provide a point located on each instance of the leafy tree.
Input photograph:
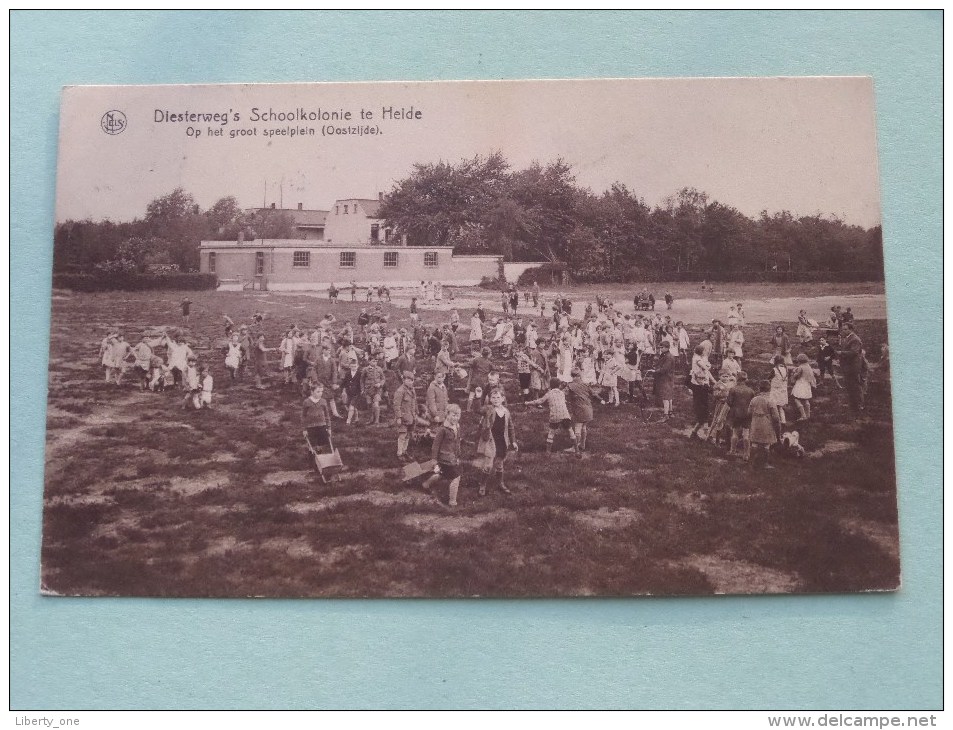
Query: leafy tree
(506, 224)
(226, 219)
(440, 203)
(178, 220)
(175, 206)
(136, 251)
(269, 223)
(548, 195)
(724, 237)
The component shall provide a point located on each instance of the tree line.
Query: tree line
(540, 213)
(167, 238)
(482, 205)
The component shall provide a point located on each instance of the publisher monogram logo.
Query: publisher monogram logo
(113, 122)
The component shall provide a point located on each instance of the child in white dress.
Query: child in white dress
(588, 375)
(233, 358)
(287, 350)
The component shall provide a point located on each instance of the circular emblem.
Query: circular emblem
(113, 122)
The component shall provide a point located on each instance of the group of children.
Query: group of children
(565, 365)
(159, 362)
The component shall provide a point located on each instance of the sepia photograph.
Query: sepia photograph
(608, 337)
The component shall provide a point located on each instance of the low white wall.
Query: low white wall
(345, 288)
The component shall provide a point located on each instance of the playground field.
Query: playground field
(143, 498)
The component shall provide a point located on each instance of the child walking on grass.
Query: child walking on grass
(803, 390)
(315, 419)
(191, 383)
(260, 357)
(446, 452)
(351, 390)
(405, 414)
(579, 395)
(765, 423)
(233, 358)
(118, 352)
(495, 439)
(203, 398)
(559, 417)
(372, 386)
(105, 355)
(287, 350)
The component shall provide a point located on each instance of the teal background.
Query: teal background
(851, 652)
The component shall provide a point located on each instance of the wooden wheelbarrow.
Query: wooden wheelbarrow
(328, 465)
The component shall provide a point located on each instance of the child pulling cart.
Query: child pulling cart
(317, 434)
(327, 464)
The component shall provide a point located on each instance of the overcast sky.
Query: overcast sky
(803, 145)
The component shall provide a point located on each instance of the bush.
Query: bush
(545, 274)
(775, 277)
(130, 281)
(493, 283)
(548, 274)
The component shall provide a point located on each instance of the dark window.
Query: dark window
(301, 258)
(345, 210)
(390, 259)
(430, 259)
(211, 262)
(259, 263)
(375, 232)
(348, 259)
(387, 234)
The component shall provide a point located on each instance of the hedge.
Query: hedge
(134, 282)
(544, 275)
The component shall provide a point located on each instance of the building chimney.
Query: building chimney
(272, 206)
(300, 206)
(380, 197)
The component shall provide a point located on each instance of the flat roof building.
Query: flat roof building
(346, 243)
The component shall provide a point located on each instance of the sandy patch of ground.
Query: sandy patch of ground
(374, 497)
(341, 553)
(222, 457)
(219, 510)
(739, 576)
(740, 497)
(690, 310)
(886, 537)
(194, 485)
(140, 454)
(66, 365)
(78, 500)
(456, 524)
(693, 502)
(112, 528)
(277, 478)
(606, 519)
(108, 418)
(831, 447)
(224, 545)
(296, 548)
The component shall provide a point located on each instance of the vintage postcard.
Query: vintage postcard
(456, 339)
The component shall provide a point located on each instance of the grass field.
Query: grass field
(145, 499)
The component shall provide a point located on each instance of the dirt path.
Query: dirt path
(690, 311)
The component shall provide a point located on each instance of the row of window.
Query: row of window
(347, 260)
